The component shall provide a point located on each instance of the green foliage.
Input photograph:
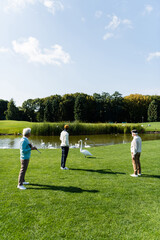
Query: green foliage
(80, 109)
(91, 109)
(48, 111)
(30, 108)
(40, 110)
(67, 107)
(95, 200)
(56, 101)
(153, 112)
(137, 107)
(3, 108)
(12, 112)
(117, 108)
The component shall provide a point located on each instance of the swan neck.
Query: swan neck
(81, 146)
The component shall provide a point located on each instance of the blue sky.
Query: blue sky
(52, 47)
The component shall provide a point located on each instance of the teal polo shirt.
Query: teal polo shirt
(25, 150)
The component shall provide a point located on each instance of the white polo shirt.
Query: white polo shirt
(64, 137)
(136, 145)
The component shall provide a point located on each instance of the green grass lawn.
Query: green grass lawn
(13, 127)
(151, 126)
(96, 199)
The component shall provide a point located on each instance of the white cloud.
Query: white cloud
(115, 23)
(98, 14)
(107, 36)
(153, 55)
(17, 5)
(53, 5)
(148, 9)
(4, 50)
(30, 49)
(127, 22)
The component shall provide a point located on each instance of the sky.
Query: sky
(50, 47)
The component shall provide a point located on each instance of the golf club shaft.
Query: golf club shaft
(38, 150)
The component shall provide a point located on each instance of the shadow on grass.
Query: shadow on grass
(59, 188)
(102, 171)
(150, 176)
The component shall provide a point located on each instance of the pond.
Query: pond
(12, 142)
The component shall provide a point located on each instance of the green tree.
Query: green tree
(67, 107)
(48, 111)
(56, 114)
(117, 107)
(12, 112)
(90, 107)
(40, 109)
(80, 108)
(102, 111)
(3, 108)
(153, 111)
(52, 108)
(30, 107)
(85, 108)
(137, 106)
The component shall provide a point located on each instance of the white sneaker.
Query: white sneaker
(25, 183)
(62, 168)
(133, 175)
(66, 168)
(139, 174)
(21, 187)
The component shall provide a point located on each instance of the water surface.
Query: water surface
(12, 142)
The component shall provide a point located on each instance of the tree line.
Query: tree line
(84, 108)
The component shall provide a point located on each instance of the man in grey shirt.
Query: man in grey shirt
(135, 153)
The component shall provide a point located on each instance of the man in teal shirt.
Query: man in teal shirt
(25, 153)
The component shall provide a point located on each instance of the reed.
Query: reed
(77, 128)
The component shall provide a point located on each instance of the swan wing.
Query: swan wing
(85, 152)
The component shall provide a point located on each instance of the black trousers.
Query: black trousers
(65, 151)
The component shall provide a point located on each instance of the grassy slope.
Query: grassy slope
(154, 126)
(12, 127)
(95, 199)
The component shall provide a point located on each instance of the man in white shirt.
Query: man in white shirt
(64, 137)
(135, 153)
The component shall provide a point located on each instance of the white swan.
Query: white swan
(84, 152)
(50, 145)
(86, 146)
(42, 144)
(77, 145)
(72, 146)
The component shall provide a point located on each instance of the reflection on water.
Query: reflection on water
(92, 140)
